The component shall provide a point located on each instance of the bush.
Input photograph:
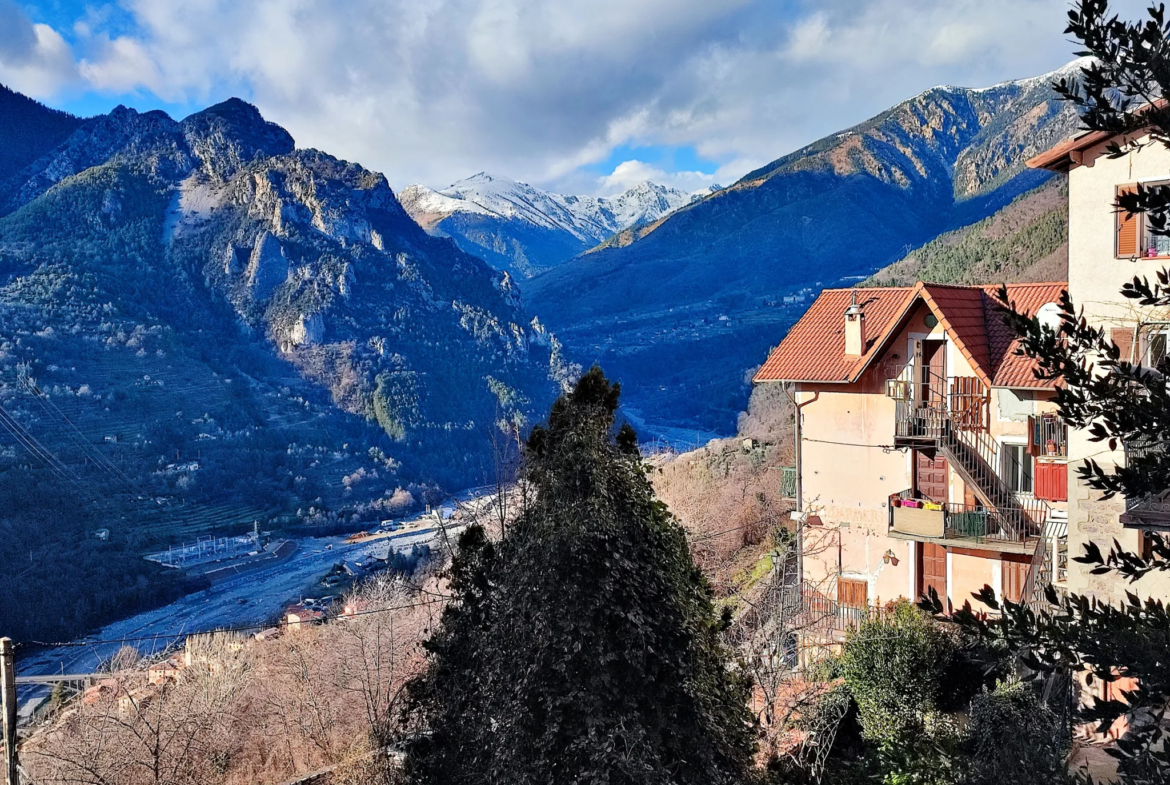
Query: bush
(1015, 738)
(894, 667)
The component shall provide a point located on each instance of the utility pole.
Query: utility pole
(8, 678)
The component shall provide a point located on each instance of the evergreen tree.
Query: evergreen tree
(584, 645)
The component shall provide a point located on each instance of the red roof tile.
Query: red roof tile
(814, 349)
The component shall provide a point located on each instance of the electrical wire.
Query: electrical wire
(177, 635)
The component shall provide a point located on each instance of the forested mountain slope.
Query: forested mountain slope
(680, 310)
(203, 327)
(1025, 241)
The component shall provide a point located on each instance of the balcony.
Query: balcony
(1151, 510)
(1048, 437)
(972, 526)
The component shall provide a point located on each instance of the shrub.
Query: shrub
(894, 667)
(1015, 738)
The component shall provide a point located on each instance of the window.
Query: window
(1017, 467)
(1135, 236)
(852, 593)
(1155, 342)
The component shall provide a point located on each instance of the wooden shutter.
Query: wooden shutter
(1015, 576)
(1122, 338)
(1051, 481)
(852, 593)
(1127, 228)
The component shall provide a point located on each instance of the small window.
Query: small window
(1154, 245)
(1017, 467)
(1155, 346)
(852, 593)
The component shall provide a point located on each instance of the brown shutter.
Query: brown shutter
(852, 593)
(1127, 229)
(1015, 577)
(1122, 337)
(1033, 448)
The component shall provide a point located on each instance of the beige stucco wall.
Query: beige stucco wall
(849, 471)
(1095, 279)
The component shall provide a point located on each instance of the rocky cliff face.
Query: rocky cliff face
(217, 231)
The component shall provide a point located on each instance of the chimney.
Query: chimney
(854, 329)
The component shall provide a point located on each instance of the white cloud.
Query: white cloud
(629, 173)
(34, 58)
(433, 90)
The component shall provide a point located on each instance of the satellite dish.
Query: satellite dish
(1049, 315)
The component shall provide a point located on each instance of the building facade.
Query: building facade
(1107, 249)
(930, 456)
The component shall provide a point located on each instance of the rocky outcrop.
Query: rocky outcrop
(267, 267)
(227, 137)
(307, 330)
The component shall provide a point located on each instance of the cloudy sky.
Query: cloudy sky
(584, 96)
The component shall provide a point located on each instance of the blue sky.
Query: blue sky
(585, 96)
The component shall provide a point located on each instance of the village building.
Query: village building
(298, 615)
(1107, 249)
(929, 456)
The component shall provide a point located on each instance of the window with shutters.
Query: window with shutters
(1127, 228)
(1155, 340)
(852, 593)
(1154, 244)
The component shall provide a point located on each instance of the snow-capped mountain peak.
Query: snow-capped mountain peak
(584, 221)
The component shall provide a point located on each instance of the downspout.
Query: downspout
(798, 454)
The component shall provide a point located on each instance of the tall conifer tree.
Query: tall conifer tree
(584, 646)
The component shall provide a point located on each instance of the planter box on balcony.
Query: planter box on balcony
(918, 522)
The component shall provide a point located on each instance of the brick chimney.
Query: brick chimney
(854, 329)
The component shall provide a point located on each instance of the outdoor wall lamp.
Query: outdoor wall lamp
(890, 558)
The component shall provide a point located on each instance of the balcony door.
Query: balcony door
(930, 476)
(932, 379)
(932, 571)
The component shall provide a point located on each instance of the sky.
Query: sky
(578, 96)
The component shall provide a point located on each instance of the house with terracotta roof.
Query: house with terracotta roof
(1108, 248)
(929, 456)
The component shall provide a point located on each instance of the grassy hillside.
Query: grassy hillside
(1025, 241)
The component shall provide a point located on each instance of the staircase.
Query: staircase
(973, 454)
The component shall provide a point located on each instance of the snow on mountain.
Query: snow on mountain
(518, 227)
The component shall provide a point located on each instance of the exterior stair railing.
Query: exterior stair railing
(954, 420)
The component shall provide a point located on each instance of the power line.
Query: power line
(176, 635)
(78, 437)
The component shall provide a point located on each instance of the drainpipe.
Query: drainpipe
(799, 460)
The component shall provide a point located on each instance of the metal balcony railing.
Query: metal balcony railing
(822, 613)
(950, 415)
(1049, 437)
(909, 513)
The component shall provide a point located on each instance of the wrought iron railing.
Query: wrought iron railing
(961, 521)
(819, 612)
(1049, 436)
(956, 424)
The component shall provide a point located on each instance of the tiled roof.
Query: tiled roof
(814, 349)
(1011, 370)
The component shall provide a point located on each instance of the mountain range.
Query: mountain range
(680, 310)
(525, 230)
(206, 327)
